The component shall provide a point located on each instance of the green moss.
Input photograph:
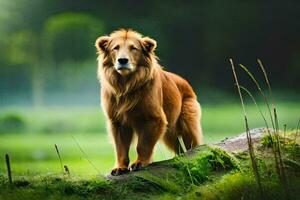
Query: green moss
(267, 140)
(52, 187)
(240, 185)
(289, 143)
(205, 163)
(167, 184)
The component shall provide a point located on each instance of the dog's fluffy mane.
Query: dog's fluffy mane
(126, 89)
(124, 85)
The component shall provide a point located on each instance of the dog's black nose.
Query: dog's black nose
(123, 61)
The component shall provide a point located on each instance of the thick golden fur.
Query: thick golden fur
(146, 101)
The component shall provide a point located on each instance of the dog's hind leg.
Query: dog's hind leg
(189, 126)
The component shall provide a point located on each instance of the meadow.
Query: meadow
(85, 148)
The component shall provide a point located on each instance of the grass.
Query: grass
(216, 173)
(276, 146)
(240, 186)
(33, 152)
(171, 179)
(221, 121)
(249, 140)
(82, 148)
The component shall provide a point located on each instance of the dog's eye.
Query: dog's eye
(116, 47)
(133, 48)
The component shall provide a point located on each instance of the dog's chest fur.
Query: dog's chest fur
(125, 109)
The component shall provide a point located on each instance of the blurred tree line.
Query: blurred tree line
(47, 47)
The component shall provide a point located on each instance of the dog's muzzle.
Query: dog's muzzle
(123, 64)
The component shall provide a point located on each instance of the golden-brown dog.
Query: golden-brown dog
(140, 98)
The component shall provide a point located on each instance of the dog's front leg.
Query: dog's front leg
(148, 134)
(122, 136)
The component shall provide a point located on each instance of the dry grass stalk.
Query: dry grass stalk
(8, 168)
(249, 140)
(85, 155)
(58, 154)
(273, 144)
(280, 163)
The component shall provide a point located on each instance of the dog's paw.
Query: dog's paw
(136, 166)
(119, 171)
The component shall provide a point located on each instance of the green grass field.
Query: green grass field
(32, 149)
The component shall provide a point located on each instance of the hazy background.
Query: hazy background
(48, 86)
(47, 53)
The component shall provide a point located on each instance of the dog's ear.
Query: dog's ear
(149, 44)
(102, 43)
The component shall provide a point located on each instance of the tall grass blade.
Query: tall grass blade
(266, 78)
(85, 155)
(267, 126)
(278, 146)
(284, 136)
(295, 138)
(261, 93)
(182, 144)
(249, 140)
(260, 111)
(58, 154)
(274, 126)
(7, 161)
(67, 170)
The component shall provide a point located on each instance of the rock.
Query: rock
(231, 145)
(239, 143)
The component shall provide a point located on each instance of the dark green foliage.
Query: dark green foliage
(56, 127)
(12, 122)
(21, 183)
(71, 37)
(295, 151)
(267, 141)
(288, 144)
(240, 186)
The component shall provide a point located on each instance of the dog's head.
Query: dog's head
(125, 51)
(126, 60)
